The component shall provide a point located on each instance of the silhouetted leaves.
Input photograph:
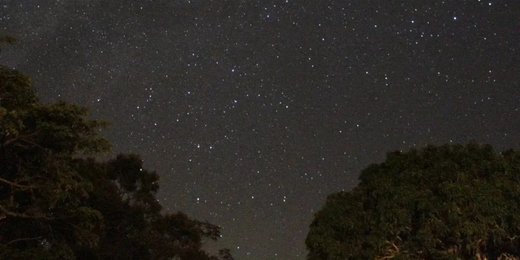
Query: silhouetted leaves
(40, 192)
(56, 202)
(447, 202)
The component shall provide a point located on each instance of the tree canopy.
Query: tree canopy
(57, 201)
(438, 202)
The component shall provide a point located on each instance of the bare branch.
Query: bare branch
(22, 138)
(22, 215)
(16, 184)
(22, 239)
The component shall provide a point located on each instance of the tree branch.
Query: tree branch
(16, 184)
(22, 138)
(22, 215)
(22, 239)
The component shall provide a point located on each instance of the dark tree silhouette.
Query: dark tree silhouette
(58, 202)
(447, 202)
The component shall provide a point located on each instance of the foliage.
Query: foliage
(58, 202)
(135, 227)
(447, 202)
(40, 192)
(7, 40)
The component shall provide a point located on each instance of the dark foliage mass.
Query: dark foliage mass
(58, 202)
(447, 202)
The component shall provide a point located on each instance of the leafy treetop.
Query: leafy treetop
(439, 202)
(58, 202)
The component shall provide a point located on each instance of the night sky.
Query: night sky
(252, 112)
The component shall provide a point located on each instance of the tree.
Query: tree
(41, 211)
(135, 225)
(57, 201)
(446, 202)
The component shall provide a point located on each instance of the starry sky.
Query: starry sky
(253, 111)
